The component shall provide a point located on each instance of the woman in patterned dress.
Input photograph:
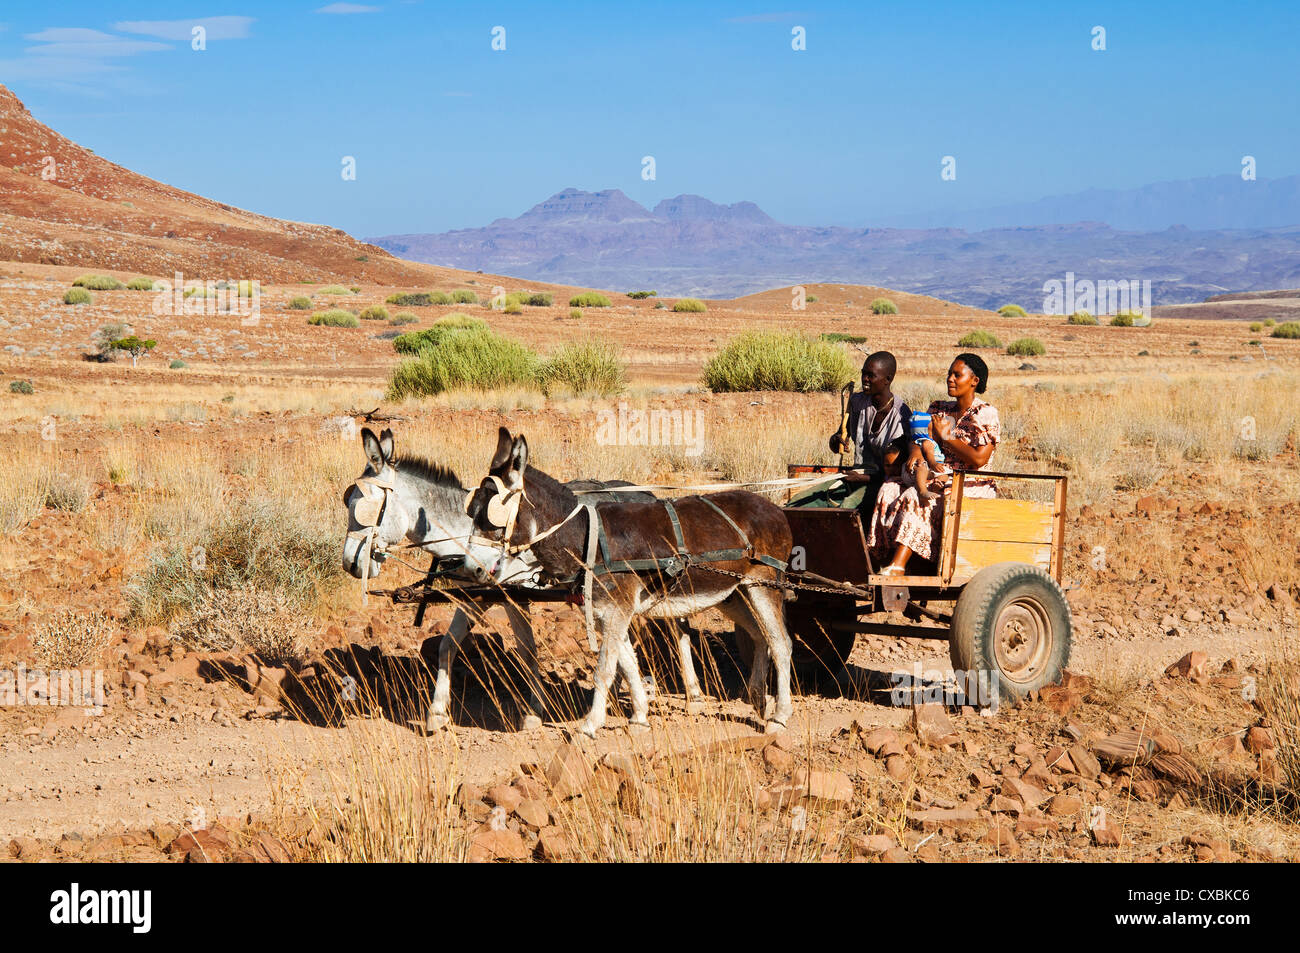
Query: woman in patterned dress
(968, 430)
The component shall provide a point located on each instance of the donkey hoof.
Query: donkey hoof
(588, 729)
(774, 727)
(530, 723)
(638, 729)
(437, 722)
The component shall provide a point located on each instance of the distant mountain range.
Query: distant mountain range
(1236, 236)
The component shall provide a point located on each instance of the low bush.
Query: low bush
(638, 295)
(73, 639)
(463, 296)
(1081, 317)
(1026, 347)
(413, 342)
(883, 306)
(1122, 319)
(1011, 311)
(21, 387)
(77, 296)
(335, 318)
(1287, 329)
(589, 299)
(838, 337)
(299, 303)
(464, 359)
(979, 339)
(689, 305)
(403, 317)
(1256, 327)
(177, 365)
(575, 314)
(590, 367)
(98, 283)
(374, 313)
(334, 290)
(140, 284)
(778, 360)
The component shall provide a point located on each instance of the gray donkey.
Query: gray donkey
(423, 504)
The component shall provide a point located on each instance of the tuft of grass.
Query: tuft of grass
(473, 358)
(266, 622)
(689, 305)
(1269, 322)
(140, 284)
(413, 342)
(77, 296)
(839, 337)
(21, 387)
(417, 299)
(98, 283)
(575, 314)
(777, 360)
(1011, 311)
(1026, 347)
(374, 313)
(335, 290)
(513, 307)
(177, 365)
(403, 317)
(299, 303)
(1256, 327)
(335, 318)
(590, 367)
(979, 339)
(72, 639)
(883, 306)
(1287, 329)
(1129, 319)
(1081, 317)
(463, 296)
(589, 299)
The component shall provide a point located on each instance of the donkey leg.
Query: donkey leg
(523, 629)
(739, 610)
(635, 687)
(690, 683)
(612, 627)
(767, 607)
(447, 651)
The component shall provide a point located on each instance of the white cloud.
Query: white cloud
(347, 8)
(218, 28)
(77, 42)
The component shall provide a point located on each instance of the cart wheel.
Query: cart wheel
(1012, 619)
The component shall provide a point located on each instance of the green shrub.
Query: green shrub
(883, 306)
(575, 314)
(1026, 347)
(417, 299)
(690, 305)
(513, 307)
(77, 296)
(1256, 327)
(1122, 319)
(375, 313)
(810, 299)
(299, 303)
(589, 299)
(1011, 311)
(778, 360)
(355, 290)
(660, 306)
(200, 291)
(590, 367)
(838, 337)
(464, 359)
(413, 342)
(463, 296)
(140, 284)
(979, 339)
(1269, 322)
(98, 283)
(642, 294)
(334, 290)
(534, 299)
(178, 365)
(1287, 329)
(1081, 317)
(403, 317)
(21, 387)
(335, 318)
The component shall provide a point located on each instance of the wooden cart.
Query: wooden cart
(995, 595)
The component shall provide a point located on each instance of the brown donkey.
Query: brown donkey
(666, 559)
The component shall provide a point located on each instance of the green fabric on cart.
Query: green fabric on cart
(833, 494)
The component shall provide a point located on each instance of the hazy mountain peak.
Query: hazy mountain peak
(698, 208)
(575, 205)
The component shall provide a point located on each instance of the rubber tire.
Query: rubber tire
(983, 599)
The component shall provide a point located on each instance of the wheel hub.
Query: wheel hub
(1021, 639)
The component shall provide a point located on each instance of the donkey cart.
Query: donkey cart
(998, 579)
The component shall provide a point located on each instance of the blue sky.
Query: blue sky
(449, 133)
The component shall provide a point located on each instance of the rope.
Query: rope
(786, 482)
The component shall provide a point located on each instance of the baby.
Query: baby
(932, 459)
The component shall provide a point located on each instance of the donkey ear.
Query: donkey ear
(518, 460)
(370, 443)
(386, 444)
(502, 453)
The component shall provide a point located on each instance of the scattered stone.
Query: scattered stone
(568, 772)
(833, 787)
(1258, 739)
(933, 727)
(932, 818)
(493, 844)
(1189, 666)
